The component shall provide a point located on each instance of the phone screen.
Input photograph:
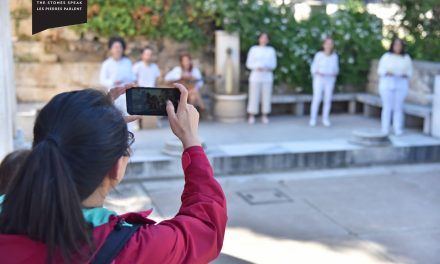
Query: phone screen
(151, 100)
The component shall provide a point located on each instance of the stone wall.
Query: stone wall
(62, 59)
(421, 85)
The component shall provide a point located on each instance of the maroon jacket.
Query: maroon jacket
(194, 235)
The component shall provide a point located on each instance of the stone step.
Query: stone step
(306, 155)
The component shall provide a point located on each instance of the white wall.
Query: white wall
(7, 85)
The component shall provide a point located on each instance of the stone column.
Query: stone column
(435, 127)
(7, 84)
(224, 41)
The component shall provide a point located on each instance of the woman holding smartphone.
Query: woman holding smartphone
(53, 210)
(324, 69)
(394, 70)
(262, 61)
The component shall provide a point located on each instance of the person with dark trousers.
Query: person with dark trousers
(53, 210)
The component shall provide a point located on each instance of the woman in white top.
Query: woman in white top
(394, 70)
(145, 71)
(116, 70)
(261, 60)
(324, 69)
(191, 77)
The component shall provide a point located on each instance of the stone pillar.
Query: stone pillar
(7, 84)
(435, 127)
(223, 41)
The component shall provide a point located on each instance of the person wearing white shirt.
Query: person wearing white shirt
(262, 61)
(146, 72)
(116, 70)
(394, 70)
(324, 69)
(191, 77)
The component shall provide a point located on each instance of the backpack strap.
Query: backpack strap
(114, 243)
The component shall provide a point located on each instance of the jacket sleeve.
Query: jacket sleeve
(251, 61)
(382, 67)
(104, 78)
(272, 63)
(314, 66)
(174, 75)
(195, 234)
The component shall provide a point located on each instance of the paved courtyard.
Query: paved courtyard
(362, 215)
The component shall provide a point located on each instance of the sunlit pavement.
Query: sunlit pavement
(363, 215)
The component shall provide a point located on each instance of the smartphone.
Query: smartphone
(151, 101)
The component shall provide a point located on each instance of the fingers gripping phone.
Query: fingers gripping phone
(151, 101)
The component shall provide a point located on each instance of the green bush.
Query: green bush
(421, 23)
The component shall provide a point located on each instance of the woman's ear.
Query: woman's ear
(117, 172)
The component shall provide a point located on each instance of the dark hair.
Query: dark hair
(113, 40)
(78, 137)
(189, 57)
(324, 40)
(263, 33)
(147, 48)
(10, 166)
(402, 52)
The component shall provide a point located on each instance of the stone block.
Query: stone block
(20, 4)
(48, 58)
(24, 27)
(39, 82)
(28, 50)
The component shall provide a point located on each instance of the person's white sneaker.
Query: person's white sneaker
(251, 120)
(312, 123)
(326, 123)
(265, 120)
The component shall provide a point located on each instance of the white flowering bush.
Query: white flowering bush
(357, 36)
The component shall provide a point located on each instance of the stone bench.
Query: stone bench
(299, 100)
(422, 111)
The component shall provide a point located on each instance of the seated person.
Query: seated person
(191, 77)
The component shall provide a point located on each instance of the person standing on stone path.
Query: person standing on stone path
(324, 69)
(262, 61)
(117, 70)
(394, 70)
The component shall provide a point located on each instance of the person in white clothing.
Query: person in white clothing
(394, 70)
(146, 72)
(324, 69)
(191, 77)
(116, 70)
(262, 61)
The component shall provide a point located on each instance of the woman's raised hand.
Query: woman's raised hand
(185, 122)
(117, 91)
